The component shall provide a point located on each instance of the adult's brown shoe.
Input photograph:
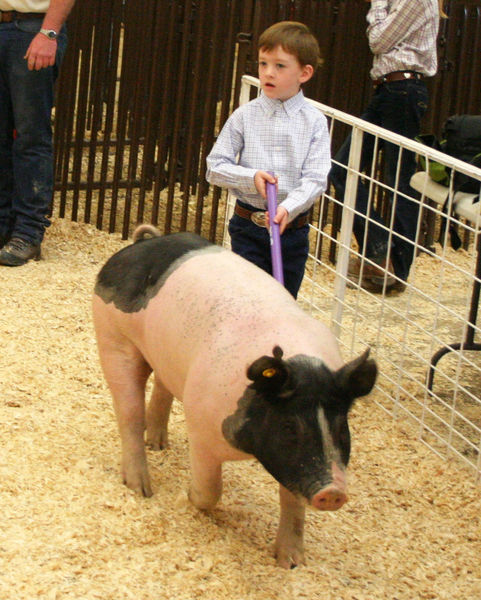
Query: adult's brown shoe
(18, 251)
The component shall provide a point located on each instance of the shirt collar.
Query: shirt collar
(291, 106)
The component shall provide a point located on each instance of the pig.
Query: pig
(258, 376)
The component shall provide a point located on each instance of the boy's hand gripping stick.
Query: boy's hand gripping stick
(276, 253)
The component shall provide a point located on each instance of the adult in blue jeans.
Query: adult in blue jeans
(402, 36)
(32, 44)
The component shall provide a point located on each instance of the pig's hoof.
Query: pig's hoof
(139, 484)
(289, 558)
(203, 502)
(144, 489)
(157, 440)
(155, 445)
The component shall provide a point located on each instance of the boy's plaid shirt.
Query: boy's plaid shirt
(289, 138)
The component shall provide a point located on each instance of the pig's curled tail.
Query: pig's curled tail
(143, 231)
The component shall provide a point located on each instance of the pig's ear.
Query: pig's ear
(269, 373)
(357, 378)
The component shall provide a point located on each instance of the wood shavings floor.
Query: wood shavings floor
(69, 529)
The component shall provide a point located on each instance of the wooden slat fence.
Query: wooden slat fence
(146, 84)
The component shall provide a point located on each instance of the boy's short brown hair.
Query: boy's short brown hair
(294, 38)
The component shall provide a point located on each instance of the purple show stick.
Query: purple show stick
(276, 254)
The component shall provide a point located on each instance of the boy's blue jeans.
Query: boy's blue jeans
(253, 243)
(398, 106)
(26, 148)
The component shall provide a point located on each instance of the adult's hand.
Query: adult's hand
(41, 52)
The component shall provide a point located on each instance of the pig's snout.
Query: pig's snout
(330, 498)
(333, 496)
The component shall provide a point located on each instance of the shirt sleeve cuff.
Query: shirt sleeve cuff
(293, 208)
(245, 180)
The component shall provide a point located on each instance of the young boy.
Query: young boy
(279, 132)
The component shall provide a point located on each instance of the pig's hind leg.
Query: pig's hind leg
(126, 372)
(157, 417)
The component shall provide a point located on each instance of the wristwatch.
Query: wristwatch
(50, 33)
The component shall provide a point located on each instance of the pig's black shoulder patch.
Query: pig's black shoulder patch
(134, 275)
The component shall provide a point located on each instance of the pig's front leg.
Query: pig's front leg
(289, 547)
(157, 417)
(206, 484)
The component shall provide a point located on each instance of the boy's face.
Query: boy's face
(280, 73)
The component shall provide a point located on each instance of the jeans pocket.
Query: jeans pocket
(418, 100)
(29, 25)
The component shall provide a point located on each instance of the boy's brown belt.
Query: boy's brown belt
(7, 16)
(257, 217)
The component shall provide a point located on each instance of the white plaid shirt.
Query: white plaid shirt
(289, 138)
(402, 36)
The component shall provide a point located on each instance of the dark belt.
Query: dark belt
(258, 217)
(397, 76)
(7, 16)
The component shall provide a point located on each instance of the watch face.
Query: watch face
(50, 33)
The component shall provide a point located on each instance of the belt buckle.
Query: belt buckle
(258, 218)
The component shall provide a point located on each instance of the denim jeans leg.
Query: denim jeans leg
(31, 98)
(6, 143)
(295, 250)
(405, 103)
(374, 242)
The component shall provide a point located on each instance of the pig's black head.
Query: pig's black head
(293, 417)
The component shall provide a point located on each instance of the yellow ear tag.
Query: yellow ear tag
(268, 372)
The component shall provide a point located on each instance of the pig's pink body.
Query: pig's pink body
(198, 334)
